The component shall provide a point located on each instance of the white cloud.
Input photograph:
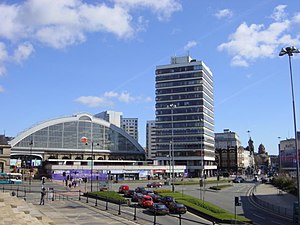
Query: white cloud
(224, 13)
(296, 18)
(111, 94)
(61, 23)
(22, 52)
(67, 22)
(163, 8)
(250, 42)
(189, 45)
(108, 98)
(279, 13)
(3, 58)
(125, 97)
(94, 101)
(1, 89)
(11, 28)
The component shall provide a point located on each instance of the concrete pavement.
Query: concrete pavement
(273, 199)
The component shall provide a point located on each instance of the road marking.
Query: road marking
(261, 217)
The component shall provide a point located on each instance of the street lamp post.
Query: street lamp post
(30, 167)
(85, 141)
(290, 51)
(172, 106)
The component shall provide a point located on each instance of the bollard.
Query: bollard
(96, 204)
(154, 219)
(106, 204)
(18, 191)
(119, 213)
(24, 194)
(179, 219)
(3, 188)
(87, 199)
(134, 216)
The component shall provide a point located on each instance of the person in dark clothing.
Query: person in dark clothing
(43, 194)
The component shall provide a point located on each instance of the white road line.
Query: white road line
(261, 217)
(274, 222)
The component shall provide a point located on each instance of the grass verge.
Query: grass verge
(202, 206)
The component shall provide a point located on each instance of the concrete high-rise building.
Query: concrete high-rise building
(130, 125)
(185, 115)
(150, 139)
(227, 140)
(111, 117)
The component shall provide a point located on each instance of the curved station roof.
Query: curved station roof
(77, 133)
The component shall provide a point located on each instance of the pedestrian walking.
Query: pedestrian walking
(43, 194)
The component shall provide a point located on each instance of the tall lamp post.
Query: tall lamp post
(85, 141)
(172, 106)
(30, 160)
(290, 51)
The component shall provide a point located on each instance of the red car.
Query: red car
(146, 201)
(154, 185)
(123, 189)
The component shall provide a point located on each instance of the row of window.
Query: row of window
(195, 103)
(183, 147)
(198, 153)
(176, 69)
(194, 95)
(187, 110)
(182, 124)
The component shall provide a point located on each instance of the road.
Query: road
(223, 198)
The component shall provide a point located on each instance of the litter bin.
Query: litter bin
(51, 193)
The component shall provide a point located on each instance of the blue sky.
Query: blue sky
(67, 56)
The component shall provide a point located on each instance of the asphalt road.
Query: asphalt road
(223, 198)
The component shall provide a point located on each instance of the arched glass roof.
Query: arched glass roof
(64, 134)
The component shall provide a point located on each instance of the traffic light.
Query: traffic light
(237, 201)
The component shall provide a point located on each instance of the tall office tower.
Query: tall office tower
(185, 116)
(130, 125)
(150, 139)
(111, 117)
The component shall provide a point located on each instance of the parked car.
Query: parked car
(145, 201)
(140, 190)
(159, 209)
(136, 196)
(129, 193)
(123, 188)
(167, 200)
(238, 180)
(156, 198)
(177, 208)
(154, 185)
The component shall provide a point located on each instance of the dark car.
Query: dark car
(159, 209)
(140, 190)
(154, 185)
(136, 196)
(238, 180)
(167, 200)
(156, 198)
(177, 208)
(129, 193)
